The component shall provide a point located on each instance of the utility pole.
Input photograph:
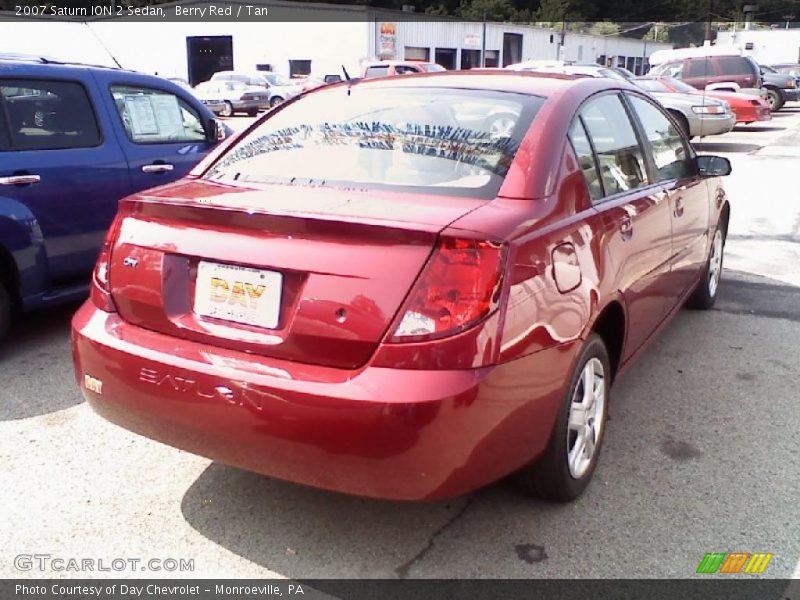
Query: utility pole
(483, 43)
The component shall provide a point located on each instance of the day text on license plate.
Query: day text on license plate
(239, 294)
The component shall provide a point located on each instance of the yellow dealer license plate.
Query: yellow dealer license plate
(239, 294)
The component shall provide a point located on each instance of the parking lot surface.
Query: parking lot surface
(702, 453)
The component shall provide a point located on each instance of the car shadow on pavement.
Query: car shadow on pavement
(299, 531)
(35, 361)
(305, 533)
(726, 147)
(758, 128)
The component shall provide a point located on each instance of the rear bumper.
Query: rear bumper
(751, 114)
(790, 94)
(711, 124)
(389, 433)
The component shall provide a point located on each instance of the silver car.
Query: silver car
(697, 115)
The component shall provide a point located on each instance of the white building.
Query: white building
(767, 46)
(298, 39)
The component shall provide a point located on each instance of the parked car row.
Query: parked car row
(707, 95)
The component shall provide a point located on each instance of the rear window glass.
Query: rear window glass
(377, 71)
(48, 115)
(417, 139)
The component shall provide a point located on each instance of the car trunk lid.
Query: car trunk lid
(309, 274)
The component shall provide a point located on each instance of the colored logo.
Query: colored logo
(734, 562)
(237, 293)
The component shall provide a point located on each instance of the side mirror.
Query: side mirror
(713, 166)
(215, 131)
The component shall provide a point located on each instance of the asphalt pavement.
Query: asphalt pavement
(702, 452)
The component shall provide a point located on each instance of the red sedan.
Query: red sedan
(406, 287)
(746, 107)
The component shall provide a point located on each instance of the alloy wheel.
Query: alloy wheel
(715, 264)
(586, 418)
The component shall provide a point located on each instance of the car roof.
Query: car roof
(22, 60)
(375, 63)
(524, 82)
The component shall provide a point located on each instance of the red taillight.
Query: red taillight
(101, 290)
(458, 288)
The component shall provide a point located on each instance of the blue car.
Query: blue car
(74, 140)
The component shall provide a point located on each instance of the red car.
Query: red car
(378, 290)
(746, 107)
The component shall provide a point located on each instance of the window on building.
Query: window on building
(601, 60)
(299, 67)
(512, 48)
(470, 59)
(445, 57)
(47, 115)
(492, 58)
(417, 53)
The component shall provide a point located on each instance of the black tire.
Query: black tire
(550, 477)
(6, 307)
(705, 295)
(253, 112)
(683, 123)
(227, 111)
(276, 101)
(774, 99)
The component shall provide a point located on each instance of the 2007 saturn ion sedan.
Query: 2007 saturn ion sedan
(406, 287)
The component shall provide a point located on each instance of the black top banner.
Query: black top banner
(631, 13)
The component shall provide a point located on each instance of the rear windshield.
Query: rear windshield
(651, 85)
(440, 140)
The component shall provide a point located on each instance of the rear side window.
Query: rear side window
(5, 140)
(153, 116)
(378, 71)
(403, 69)
(673, 69)
(619, 154)
(434, 140)
(583, 150)
(670, 153)
(734, 65)
(698, 67)
(48, 115)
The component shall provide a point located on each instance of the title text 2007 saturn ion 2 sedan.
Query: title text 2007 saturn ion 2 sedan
(406, 287)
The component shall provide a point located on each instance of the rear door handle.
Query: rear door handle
(20, 180)
(157, 168)
(626, 228)
(678, 206)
